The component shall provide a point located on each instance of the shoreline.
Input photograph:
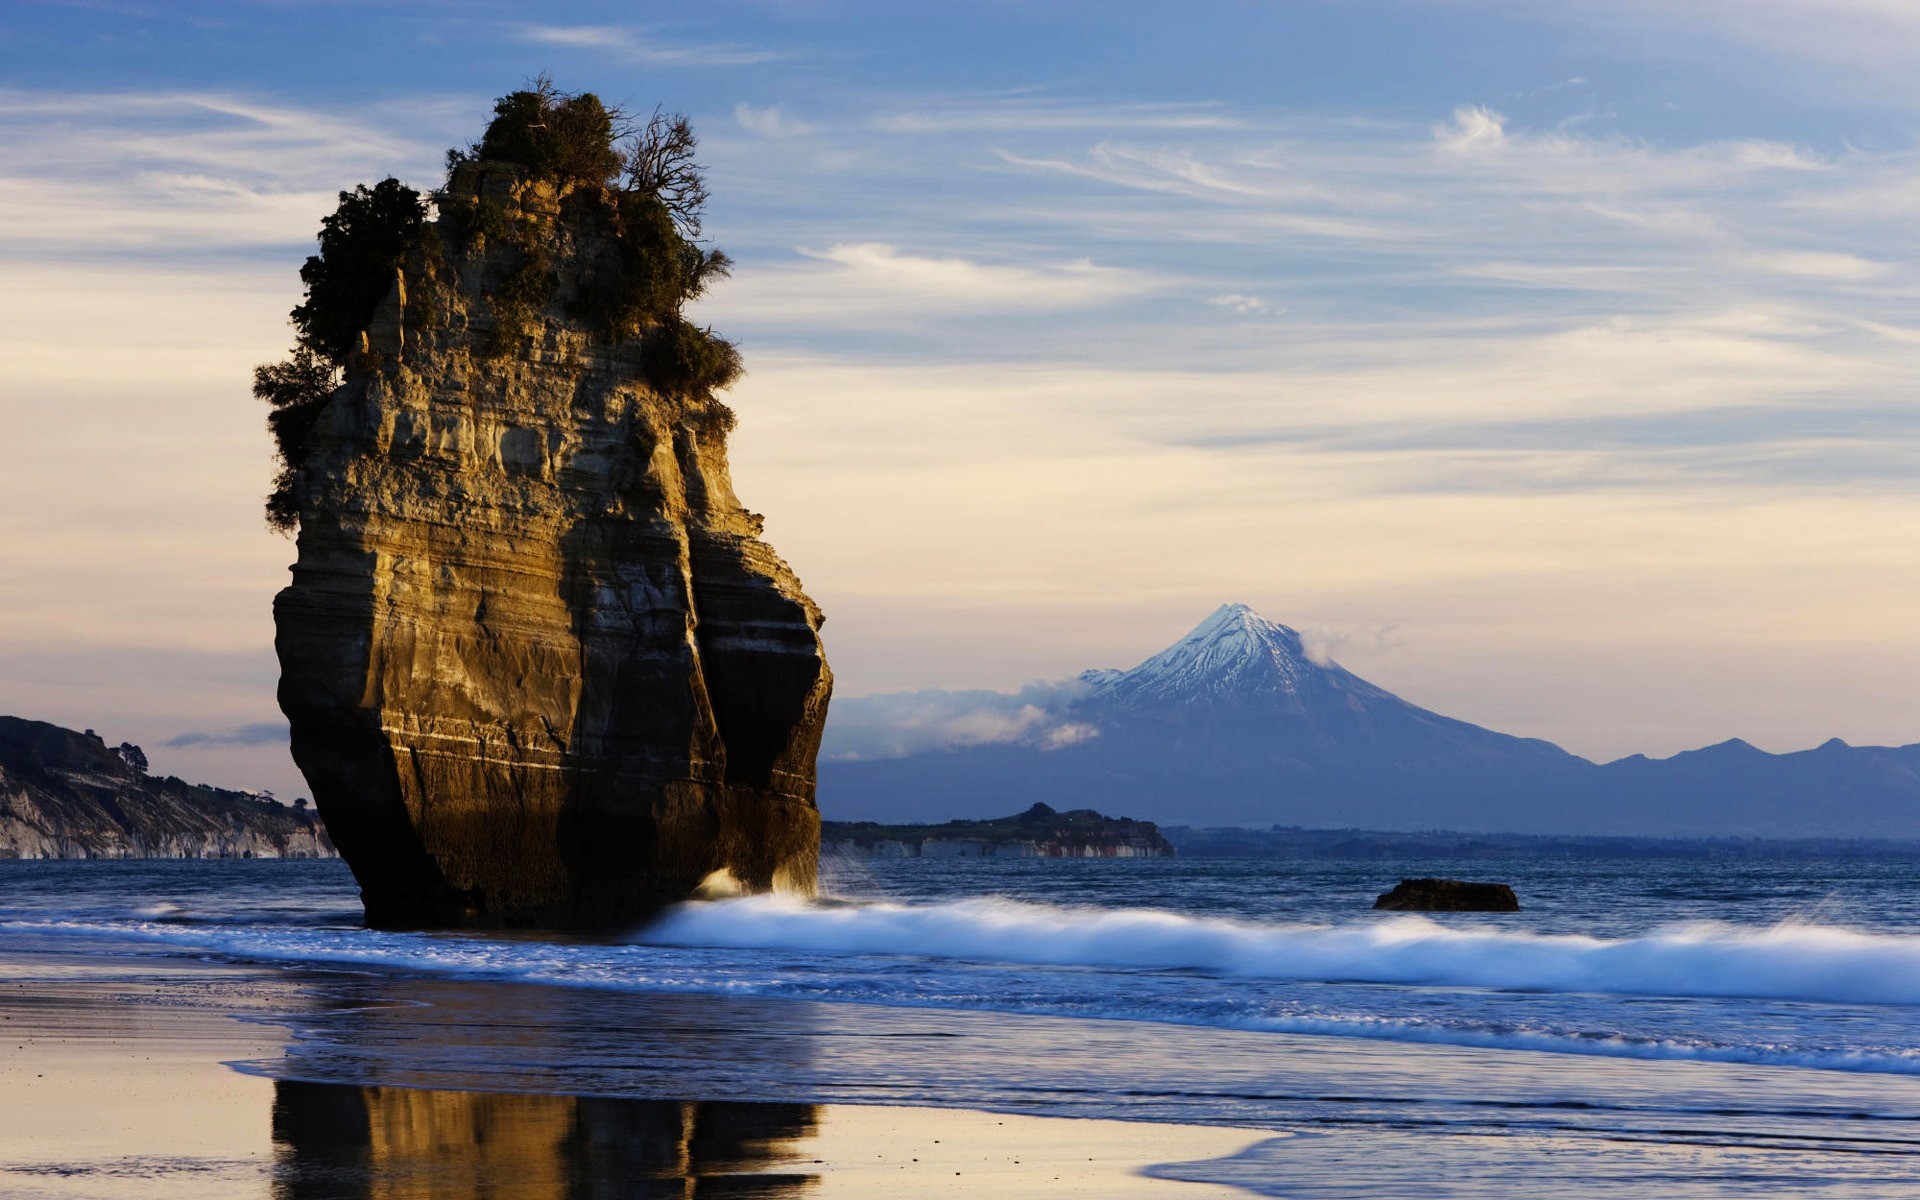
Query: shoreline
(154, 1072)
(147, 1074)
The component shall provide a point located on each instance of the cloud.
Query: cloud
(1245, 305)
(1323, 645)
(634, 45)
(1012, 380)
(1813, 264)
(1473, 129)
(889, 283)
(905, 723)
(1858, 48)
(772, 121)
(1036, 114)
(961, 281)
(1280, 200)
(265, 733)
(206, 172)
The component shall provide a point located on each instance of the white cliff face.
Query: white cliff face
(66, 795)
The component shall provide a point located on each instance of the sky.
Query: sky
(1551, 365)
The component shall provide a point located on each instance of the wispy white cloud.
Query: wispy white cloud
(1820, 264)
(632, 44)
(171, 170)
(1838, 46)
(1040, 113)
(771, 121)
(894, 284)
(1243, 304)
(1473, 129)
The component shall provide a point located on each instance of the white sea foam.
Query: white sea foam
(1780, 962)
(1137, 964)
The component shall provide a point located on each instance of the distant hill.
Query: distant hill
(69, 795)
(1039, 832)
(1236, 724)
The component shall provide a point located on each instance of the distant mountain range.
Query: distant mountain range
(1236, 724)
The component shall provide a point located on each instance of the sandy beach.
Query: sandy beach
(117, 1083)
(136, 1068)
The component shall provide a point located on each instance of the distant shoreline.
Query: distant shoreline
(1301, 842)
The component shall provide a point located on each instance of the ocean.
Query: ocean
(1641, 1026)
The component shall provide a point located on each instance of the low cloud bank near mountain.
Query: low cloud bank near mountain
(1037, 716)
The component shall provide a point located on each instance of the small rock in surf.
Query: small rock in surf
(1448, 895)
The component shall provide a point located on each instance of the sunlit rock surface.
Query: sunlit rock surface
(539, 666)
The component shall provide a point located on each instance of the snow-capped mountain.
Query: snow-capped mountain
(1236, 723)
(1252, 682)
(1233, 723)
(1235, 654)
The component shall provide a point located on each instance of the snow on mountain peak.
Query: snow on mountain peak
(1235, 651)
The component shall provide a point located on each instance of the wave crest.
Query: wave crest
(1783, 962)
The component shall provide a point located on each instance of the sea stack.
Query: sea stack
(539, 667)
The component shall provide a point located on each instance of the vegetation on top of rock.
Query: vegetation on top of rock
(297, 389)
(362, 243)
(683, 359)
(641, 183)
(660, 164)
(568, 138)
(574, 138)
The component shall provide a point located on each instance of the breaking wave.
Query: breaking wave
(1400, 978)
(1781, 962)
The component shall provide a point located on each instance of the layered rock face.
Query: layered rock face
(539, 666)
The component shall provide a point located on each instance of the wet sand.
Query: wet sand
(135, 1071)
(116, 1083)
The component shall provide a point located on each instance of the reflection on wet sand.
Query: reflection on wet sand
(342, 1141)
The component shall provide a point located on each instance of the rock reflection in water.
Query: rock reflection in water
(341, 1141)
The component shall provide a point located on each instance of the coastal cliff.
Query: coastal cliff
(69, 795)
(539, 666)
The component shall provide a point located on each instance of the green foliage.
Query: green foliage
(659, 270)
(562, 136)
(517, 302)
(297, 389)
(426, 283)
(472, 222)
(361, 245)
(682, 359)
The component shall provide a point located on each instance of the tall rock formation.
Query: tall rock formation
(539, 666)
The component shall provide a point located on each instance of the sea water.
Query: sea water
(1766, 1010)
(1806, 963)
